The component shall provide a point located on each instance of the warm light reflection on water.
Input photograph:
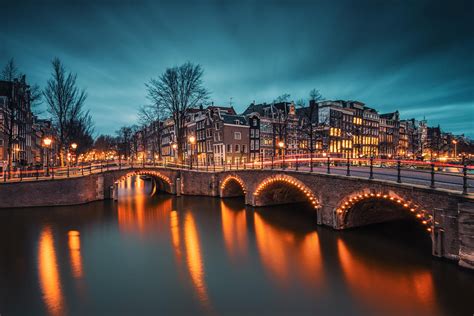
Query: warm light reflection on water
(234, 229)
(194, 259)
(75, 253)
(198, 255)
(286, 256)
(395, 291)
(49, 274)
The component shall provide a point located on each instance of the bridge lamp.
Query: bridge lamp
(281, 144)
(192, 139)
(174, 146)
(47, 141)
(74, 146)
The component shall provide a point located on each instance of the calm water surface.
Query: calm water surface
(198, 255)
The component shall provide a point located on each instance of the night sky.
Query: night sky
(414, 56)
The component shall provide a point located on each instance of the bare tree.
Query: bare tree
(309, 120)
(151, 119)
(10, 71)
(65, 103)
(124, 141)
(309, 117)
(175, 92)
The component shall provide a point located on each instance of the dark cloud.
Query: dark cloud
(414, 56)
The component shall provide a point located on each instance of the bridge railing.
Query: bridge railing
(429, 173)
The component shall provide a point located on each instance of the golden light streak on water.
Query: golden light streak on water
(396, 291)
(194, 260)
(74, 241)
(287, 256)
(234, 229)
(48, 272)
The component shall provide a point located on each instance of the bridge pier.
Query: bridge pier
(466, 235)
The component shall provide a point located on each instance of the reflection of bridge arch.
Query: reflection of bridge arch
(363, 208)
(232, 186)
(161, 182)
(283, 189)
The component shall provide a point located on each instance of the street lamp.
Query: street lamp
(192, 141)
(47, 142)
(281, 144)
(174, 146)
(74, 147)
(455, 146)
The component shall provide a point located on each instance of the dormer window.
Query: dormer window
(237, 122)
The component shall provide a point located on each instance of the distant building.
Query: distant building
(16, 120)
(389, 134)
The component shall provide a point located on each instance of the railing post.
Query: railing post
(399, 176)
(272, 162)
(52, 173)
(432, 176)
(68, 170)
(214, 164)
(329, 165)
(348, 165)
(371, 174)
(82, 168)
(464, 176)
(21, 174)
(296, 162)
(101, 167)
(311, 161)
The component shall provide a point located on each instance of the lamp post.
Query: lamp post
(192, 141)
(174, 146)
(281, 145)
(455, 142)
(47, 143)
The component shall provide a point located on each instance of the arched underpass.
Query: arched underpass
(146, 182)
(284, 189)
(371, 208)
(232, 186)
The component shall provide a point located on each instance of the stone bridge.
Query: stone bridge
(340, 202)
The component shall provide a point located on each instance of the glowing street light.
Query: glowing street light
(192, 141)
(281, 144)
(174, 146)
(47, 143)
(74, 146)
(455, 146)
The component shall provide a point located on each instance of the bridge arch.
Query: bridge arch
(160, 181)
(364, 208)
(232, 186)
(283, 189)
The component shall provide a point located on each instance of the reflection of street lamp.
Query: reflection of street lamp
(455, 146)
(192, 141)
(281, 144)
(47, 142)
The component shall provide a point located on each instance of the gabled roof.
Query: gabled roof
(231, 119)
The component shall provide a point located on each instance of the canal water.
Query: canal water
(167, 255)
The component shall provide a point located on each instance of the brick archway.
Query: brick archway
(283, 189)
(160, 181)
(232, 186)
(364, 208)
